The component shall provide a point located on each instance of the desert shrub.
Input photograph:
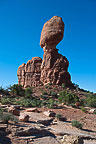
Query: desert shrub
(50, 103)
(76, 86)
(94, 112)
(5, 117)
(83, 109)
(77, 124)
(24, 102)
(73, 105)
(58, 116)
(17, 90)
(82, 102)
(63, 85)
(67, 97)
(52, 93)
(4, 91)
(46, 86)
(1, 112)
(44, 93)
(61, 96)
(50, 84)
(27, 102)
(91, 100)
(7, 100)
(36, 103)
(44, 97)
(28, 92)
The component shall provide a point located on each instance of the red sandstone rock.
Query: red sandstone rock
(52, 32)
(29, 74)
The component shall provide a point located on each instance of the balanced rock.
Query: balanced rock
(29, 74)
(54, 68)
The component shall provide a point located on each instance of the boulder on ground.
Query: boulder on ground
(14, 111)
(32, 110)
(49, 113)
(72, 139)
(24, 117)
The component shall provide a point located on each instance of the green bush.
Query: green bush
(77, 124)
(28, 92)
(44, 97)
(44, 93)
(91, 101)
(52, 93)
(83, 109)
(63, 85)
(4, 91)
(5, 117)
(76, 86)
(24, 102)
(51, 103)
(1, 111)
(17, 90)
(27, 102)
(58, 116)
(94, 112)
(7, 100)
(46, 86)
(68, 98)
(50, 84)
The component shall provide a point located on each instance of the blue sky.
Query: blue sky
(21, 22)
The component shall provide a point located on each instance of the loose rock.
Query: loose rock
(72, 139)
(24, 117)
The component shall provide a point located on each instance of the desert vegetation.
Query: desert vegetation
(49, 96)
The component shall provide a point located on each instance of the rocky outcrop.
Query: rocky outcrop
(54, 67)
(29, 74)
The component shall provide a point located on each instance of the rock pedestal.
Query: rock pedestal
(54, 68)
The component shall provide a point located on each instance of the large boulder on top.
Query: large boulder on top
(52, 32)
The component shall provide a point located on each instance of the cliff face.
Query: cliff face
(54, 67)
